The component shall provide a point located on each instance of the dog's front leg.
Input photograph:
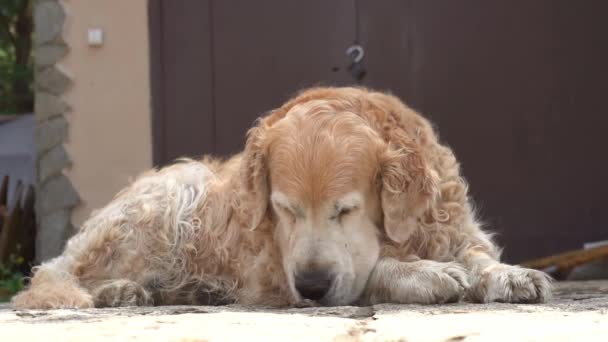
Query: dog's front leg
(492, 281)
(419, 282)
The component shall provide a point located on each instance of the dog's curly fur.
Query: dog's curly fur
(212, 231)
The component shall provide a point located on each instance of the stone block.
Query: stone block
(53, 80)
(48, 105)
(52, 163)
(51, 133)
(54, 229)
(55, 194)
(49, 18)
(49, 54)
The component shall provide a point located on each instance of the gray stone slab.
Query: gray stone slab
(52, 80)
(52, 163)
(48, 21)
(579, 312)
(48, 105)
(50, 134)
(57, 193)
(49, 54)
(53, 231)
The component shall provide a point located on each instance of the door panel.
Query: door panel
(265, 51)
(515, 88)
(181, 79)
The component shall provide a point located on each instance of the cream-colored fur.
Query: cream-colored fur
(344, 180)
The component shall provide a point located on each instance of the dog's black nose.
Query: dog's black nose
(313, 285)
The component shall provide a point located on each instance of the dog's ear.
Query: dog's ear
(409, 186)
(253, 192)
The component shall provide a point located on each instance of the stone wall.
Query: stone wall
(56, 197)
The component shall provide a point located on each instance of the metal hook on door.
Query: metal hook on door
(356, 52)
(356, 68)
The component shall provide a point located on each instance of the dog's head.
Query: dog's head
(335, 188)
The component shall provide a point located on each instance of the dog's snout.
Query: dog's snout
(313, 285)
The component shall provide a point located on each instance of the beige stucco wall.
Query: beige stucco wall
(109, 138)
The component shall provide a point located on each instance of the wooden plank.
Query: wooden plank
(27, 231)
(4, 191)
(3, 200)
(180, 40)
(562, 264)
(10, 231)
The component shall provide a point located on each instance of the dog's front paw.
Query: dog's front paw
(440, 283)
(420, 282)
(306, 303)
(121, 292)
(511, 284)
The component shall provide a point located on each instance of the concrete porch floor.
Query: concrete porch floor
(579, 312)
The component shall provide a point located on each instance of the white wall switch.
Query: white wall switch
(95, 37)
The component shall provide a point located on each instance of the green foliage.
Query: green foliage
(16, 67)
(11, 280)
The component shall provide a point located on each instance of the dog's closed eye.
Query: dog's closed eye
(342, 212)
(346, 205)
(286, 210)
(282, 205)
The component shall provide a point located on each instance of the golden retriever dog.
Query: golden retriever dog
(341, 196)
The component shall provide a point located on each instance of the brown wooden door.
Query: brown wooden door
(516, 88)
